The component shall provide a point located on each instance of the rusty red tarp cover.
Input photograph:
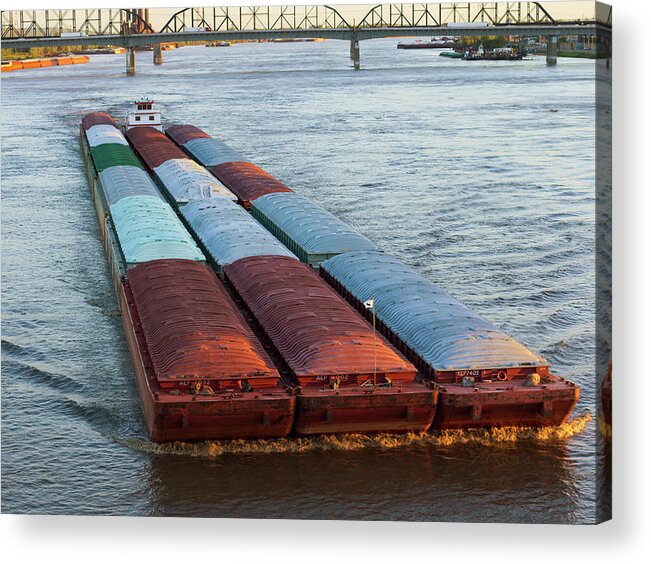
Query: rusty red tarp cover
(96, 118)
(317, 333)
(247, 181)
(181, 134)
(153, 146)
(193, 329)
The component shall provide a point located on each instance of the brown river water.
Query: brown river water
(458, 168)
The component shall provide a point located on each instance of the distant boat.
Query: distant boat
(434, 43)
(103, 51)
(451, 54)
(500, 54)
(295, 40)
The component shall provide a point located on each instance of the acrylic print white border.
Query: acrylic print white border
(625, 539)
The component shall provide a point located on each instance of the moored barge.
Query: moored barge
(444, 43)
(46, 62)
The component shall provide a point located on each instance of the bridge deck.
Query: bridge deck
(136, 40)
(133, 28)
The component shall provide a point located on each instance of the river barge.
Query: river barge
(246, 180)
(345, 377)
(484, 377)
(364, 344)
(500, 54)
(203, 148)
(198, 376)
(179, 177)
(309, 231)
(61, 60)
(227, 233)
(433, 44)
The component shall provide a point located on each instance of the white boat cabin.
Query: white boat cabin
(144, 115)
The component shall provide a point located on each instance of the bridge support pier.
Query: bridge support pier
(552, 48)
(354, 53)
(131, 61)
(158, 54)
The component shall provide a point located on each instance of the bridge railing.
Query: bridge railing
(24, 24)
(240, 18)
(434, 15)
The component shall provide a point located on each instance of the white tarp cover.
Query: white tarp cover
(149, 229)
(441, 330)
(124, 181)
(229, 233)
(211, 152)
(187, 181)
(104, 133)
(314, 229)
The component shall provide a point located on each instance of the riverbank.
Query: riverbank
(574, 54)
(41, 52)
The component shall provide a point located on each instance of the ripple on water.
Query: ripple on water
(488, 197)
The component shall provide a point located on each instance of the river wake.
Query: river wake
(483, 437)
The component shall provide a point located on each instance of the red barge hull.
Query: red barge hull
(408, 408)
(267, 414)
(513, 404)
(330, 353)
(488, 403)
(186, 417)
